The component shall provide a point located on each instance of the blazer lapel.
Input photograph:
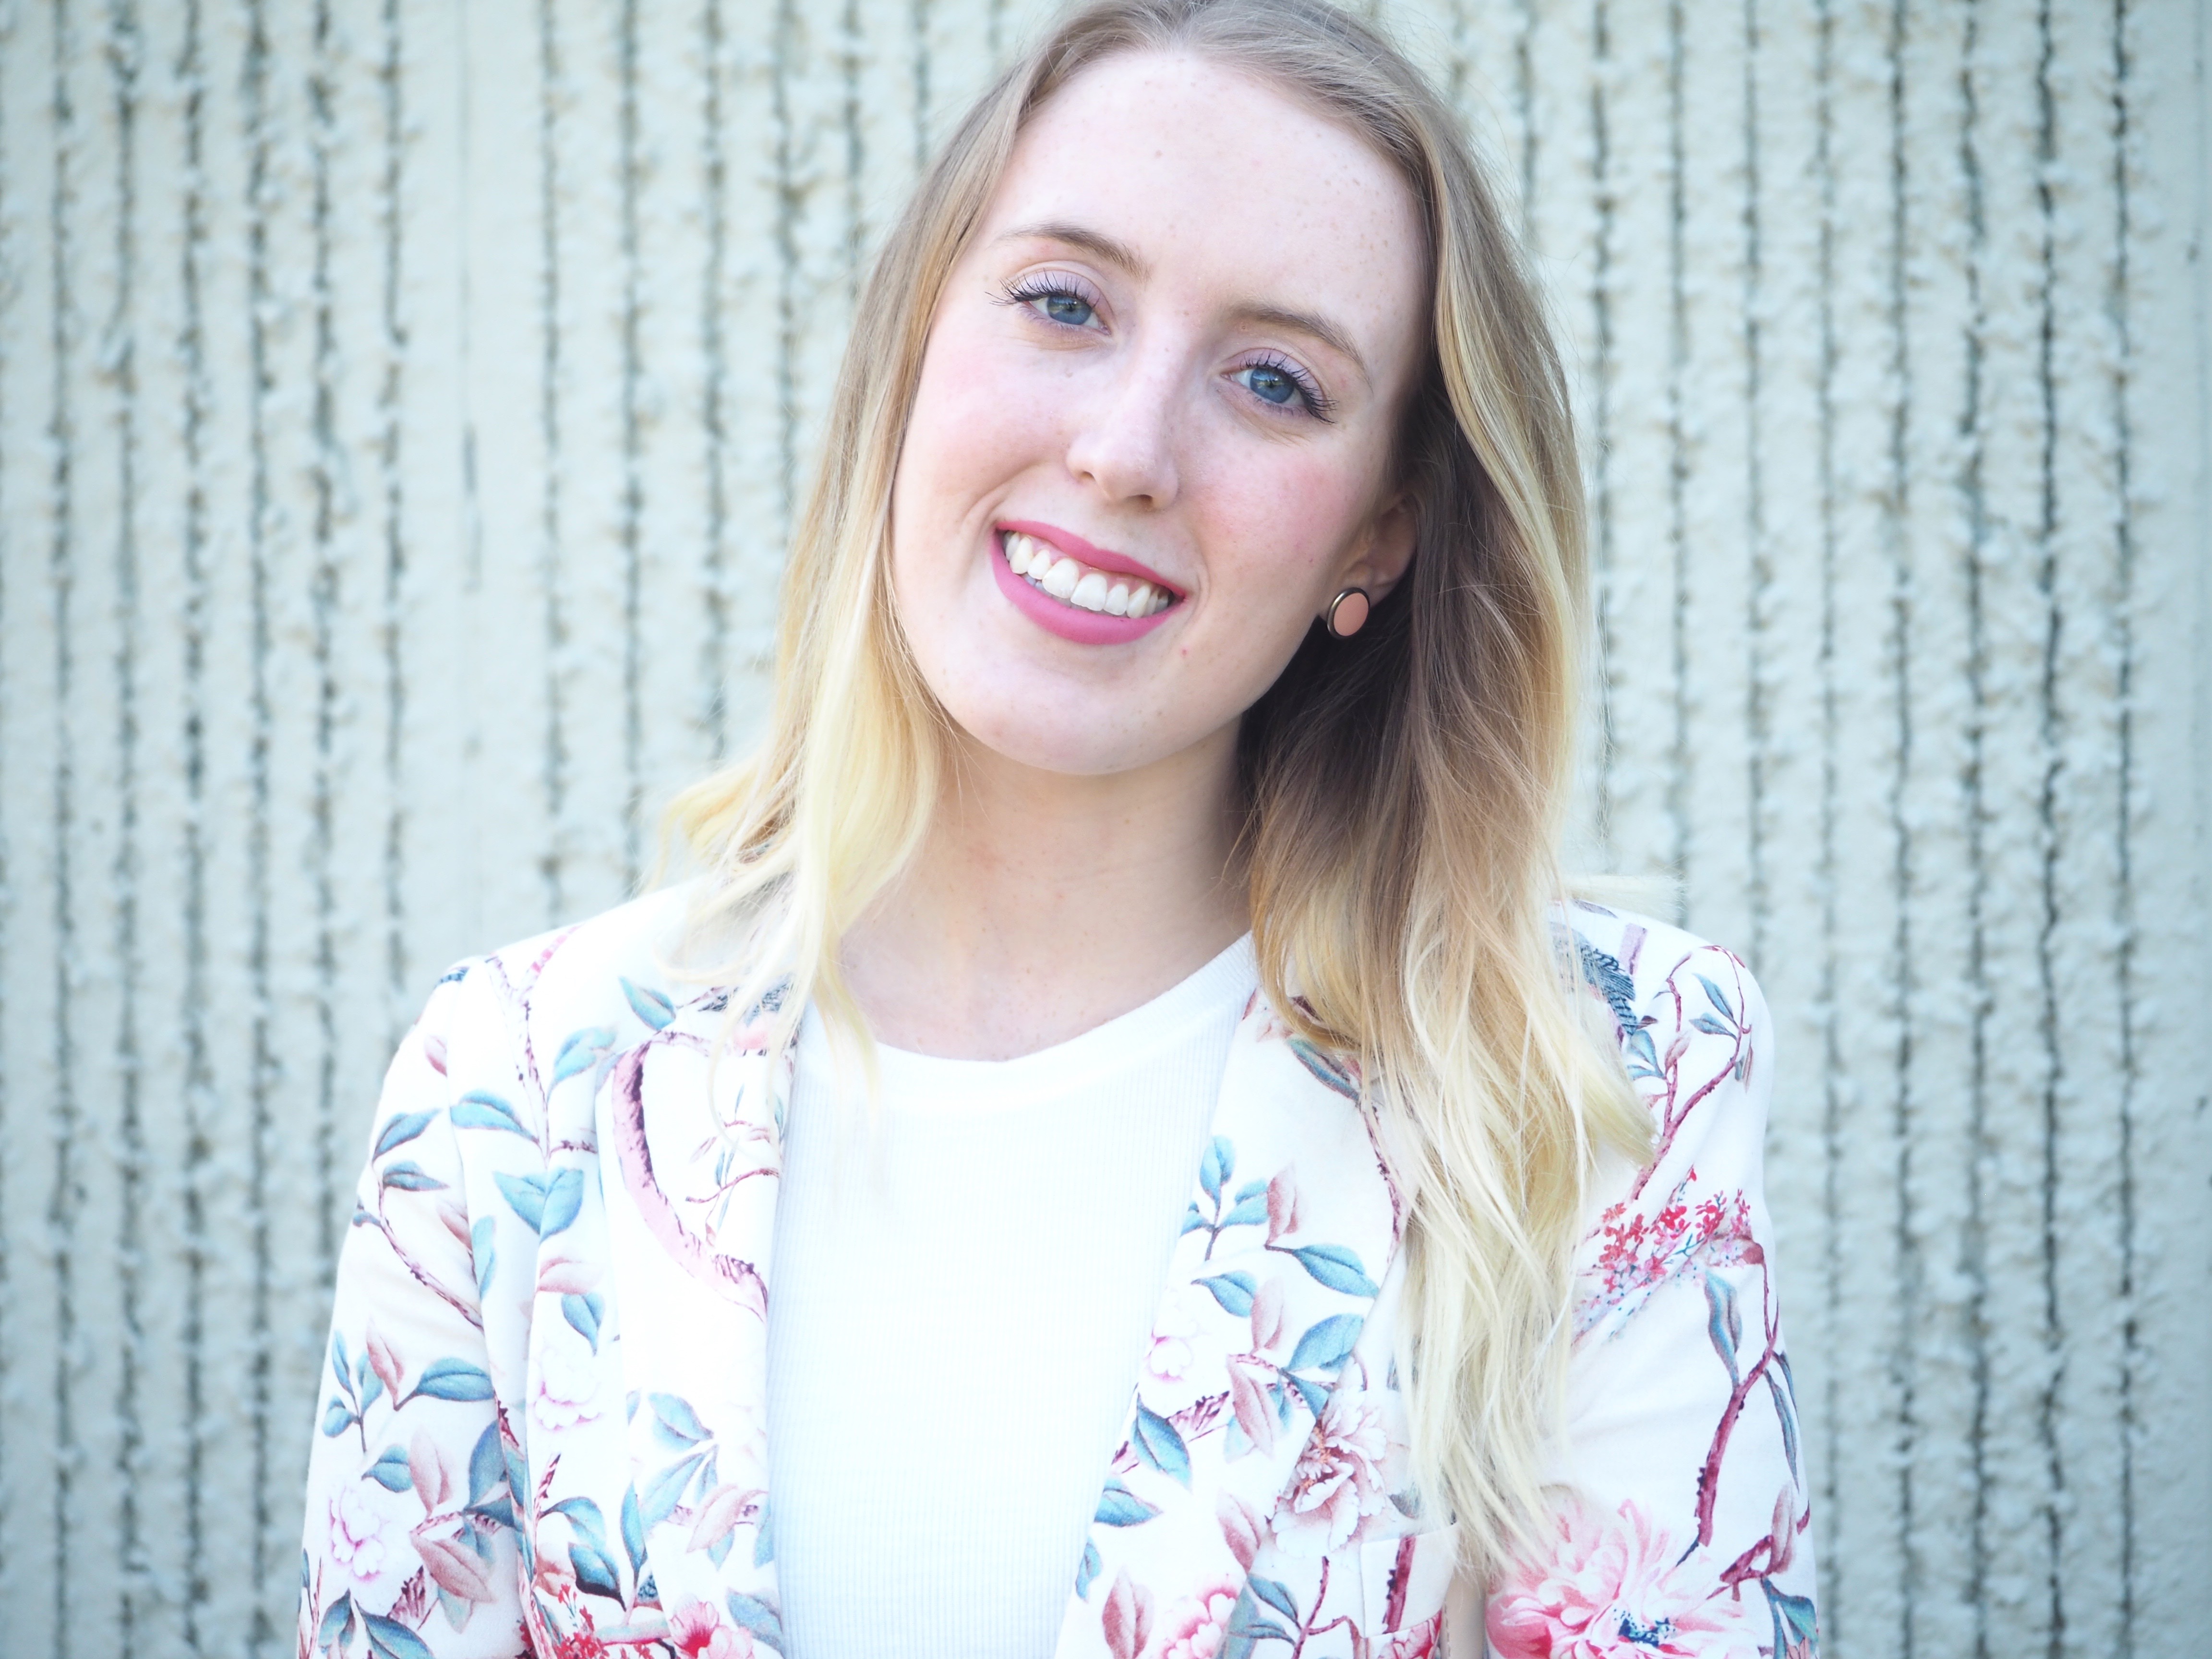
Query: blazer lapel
(695, 1116)
(1290, 1229)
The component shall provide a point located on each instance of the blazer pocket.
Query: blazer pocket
(1405, 1580)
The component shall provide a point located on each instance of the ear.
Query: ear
(1384, 553)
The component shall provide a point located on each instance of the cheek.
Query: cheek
(1290, 517)
(975, 423)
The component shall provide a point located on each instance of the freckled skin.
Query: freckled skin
(1083, 860)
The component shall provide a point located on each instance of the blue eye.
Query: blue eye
(1268, 382)
(1063, 308)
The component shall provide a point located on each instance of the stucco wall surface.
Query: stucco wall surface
(402, 406)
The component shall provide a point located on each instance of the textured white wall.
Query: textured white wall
(401, 407)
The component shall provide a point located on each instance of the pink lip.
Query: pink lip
(1082, 627)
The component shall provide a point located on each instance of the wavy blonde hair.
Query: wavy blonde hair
(1404, 789)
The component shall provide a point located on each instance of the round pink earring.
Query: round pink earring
(1347, 613)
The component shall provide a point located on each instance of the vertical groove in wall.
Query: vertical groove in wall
(389, 450)
(323, 602)
(2047, 965)
(1677, 790)
(12, 1337)
(1601, 505)
(715, 574)
(633, 490)
(2123, 820)
(120, 348)
(62, 1203)
(1758, 611)
(554, 765)
(1901, 974)
(196, 1097)
(261, 302)
(1984, 1152)
(1828, 1493)
(786, 252)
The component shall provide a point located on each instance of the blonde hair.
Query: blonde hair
(1405, 787)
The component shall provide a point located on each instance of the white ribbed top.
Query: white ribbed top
(959, 1312)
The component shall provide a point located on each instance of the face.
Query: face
(1152, 435)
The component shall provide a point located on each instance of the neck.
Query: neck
(1042, 905)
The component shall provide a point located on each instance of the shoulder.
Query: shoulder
(601, 965)
(1695, 1039)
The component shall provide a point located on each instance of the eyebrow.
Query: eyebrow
(1116, 253)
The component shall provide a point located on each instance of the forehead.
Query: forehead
(1227, 186)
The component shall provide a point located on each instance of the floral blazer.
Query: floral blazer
(541, 1427)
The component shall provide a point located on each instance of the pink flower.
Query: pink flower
(697, 1630)
(357, 1533)
(1168, 1358)
(568, 1384)
(1197, 1625)
(1336, 1482)
(1614, 1589)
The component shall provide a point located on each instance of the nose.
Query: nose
(1124, 442)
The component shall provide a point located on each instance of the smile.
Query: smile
(1084, 594)
(1074, 583)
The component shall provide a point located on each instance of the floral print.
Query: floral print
(542, 1422)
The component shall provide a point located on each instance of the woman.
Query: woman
(1133, 956)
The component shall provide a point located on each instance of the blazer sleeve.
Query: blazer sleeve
(409, 1547)
(1680, 1522)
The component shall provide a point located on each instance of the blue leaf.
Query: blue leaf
(482, 1252)
(341, 1362)
(1251, 1189)
(1088, 1570)
(1214, 1167)
(581, 1052)
(1713, 1027)
(338, 1619)
(595, 1574)
(632, 1530)
(1719, 1001)
(1327, 1344)
(525, 1195)
(496, 1513)
(390, 1470)
(487, 1467)
(750, 1614)
(390, 1639)
(1276, 1595)
(1159, 1445)
(1250, 1213)
(337, 1420)
(411, 1177)
(666, 1489)
(1193, 1219)
(1326, 1067)
(372, 1385)
(564, 1197)
(1313, 1393)
(1787, 1412)
(648, 1004)
(764, 1538)
(452, 1379)
(675, 1421)
(1338, 1268)
(1119, 1507)
(583, 1514)
(583, 1313)
(479, 1110)
(1722, 1322)
(1797, 1622)
(401, 1130)
(1233, 1290)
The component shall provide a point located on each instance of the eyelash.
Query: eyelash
(1046, 285)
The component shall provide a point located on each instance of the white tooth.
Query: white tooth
(1018, 554)
(1140, 599)
(1059, 582)
(1090, 593)
(1160, 599)
(1117, 599)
